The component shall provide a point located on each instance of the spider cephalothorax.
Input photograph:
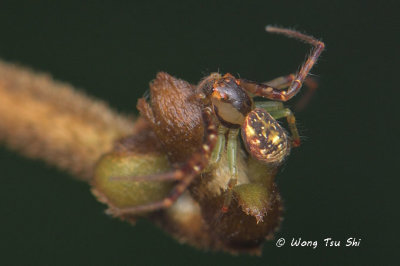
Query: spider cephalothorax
(231, 103)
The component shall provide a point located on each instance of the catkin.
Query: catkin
(49, 120)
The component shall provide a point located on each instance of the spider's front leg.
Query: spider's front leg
(284, 81)
(280, 82)
(184, 174)
(273, 93)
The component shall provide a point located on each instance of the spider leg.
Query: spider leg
(312, 85)
(291, 119)
(281, 82)
(269, 105)
(185, 174)
(285, 81)
(274, 93)
(232, 149)
(219, 146)
(277, 110)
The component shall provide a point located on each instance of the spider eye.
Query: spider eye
(217, 95)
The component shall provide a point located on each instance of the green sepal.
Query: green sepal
(253, 199)
(128, 193)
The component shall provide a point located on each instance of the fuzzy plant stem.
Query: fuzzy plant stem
(49, 120)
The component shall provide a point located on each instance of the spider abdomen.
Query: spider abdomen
(264, 138)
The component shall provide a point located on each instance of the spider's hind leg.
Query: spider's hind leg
(277, 110)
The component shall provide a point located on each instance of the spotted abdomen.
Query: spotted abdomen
(264, 138)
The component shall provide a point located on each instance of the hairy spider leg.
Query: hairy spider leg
(312, 85)
(277, 110)
(285, 81)
(273, 93)
(185, 174)
(281, 82)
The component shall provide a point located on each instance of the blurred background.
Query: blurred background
(340, 183)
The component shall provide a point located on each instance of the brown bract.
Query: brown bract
(174, 115)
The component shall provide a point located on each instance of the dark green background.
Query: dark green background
(341, 183)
